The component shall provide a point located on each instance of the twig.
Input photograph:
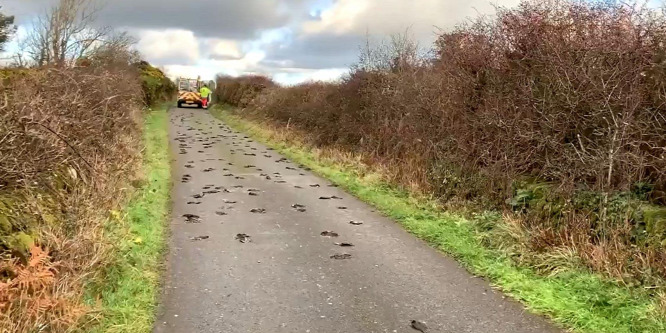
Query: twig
(68, 144)
(6, 101)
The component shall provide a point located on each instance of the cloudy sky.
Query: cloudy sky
(291, 40)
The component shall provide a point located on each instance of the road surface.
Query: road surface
(253, 249)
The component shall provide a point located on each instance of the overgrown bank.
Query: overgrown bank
(70, 153)
(575, 298)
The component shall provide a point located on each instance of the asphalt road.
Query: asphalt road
(283, 278)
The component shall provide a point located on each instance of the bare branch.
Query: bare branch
(65, 33)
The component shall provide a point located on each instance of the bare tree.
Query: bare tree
(396, 54)
(114, 49)
(65, 33)
(7, 28)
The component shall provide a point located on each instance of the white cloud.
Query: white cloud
(208, 68)
(327, 74)
(175, 71)
(169, 47)
(296, 76)
(341, 18)
(222, 49)
(386, 17)
(318, 48)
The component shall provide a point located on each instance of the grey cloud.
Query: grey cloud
(25, 10)
(171, 59)
(234, 19)
(317, 51)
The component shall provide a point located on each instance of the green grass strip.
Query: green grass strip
(576, 300)
(130, 291)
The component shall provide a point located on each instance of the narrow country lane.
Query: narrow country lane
(254, 249)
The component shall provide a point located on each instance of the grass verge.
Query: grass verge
(131, 287)
(575, 299)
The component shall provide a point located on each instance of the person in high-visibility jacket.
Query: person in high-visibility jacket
(205, 95)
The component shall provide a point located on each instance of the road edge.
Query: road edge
(130, 293)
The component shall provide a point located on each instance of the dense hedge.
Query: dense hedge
(240, 91)
(69, 146)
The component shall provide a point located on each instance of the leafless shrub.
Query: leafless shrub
(46, 128)
(565, 91)
(68, 143)
(240, 91)
(400, 52)
(115, 51)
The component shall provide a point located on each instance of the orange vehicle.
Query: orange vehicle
(188, 92)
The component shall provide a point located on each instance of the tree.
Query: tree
(7, 28)
(65, 33)
(115, 49)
